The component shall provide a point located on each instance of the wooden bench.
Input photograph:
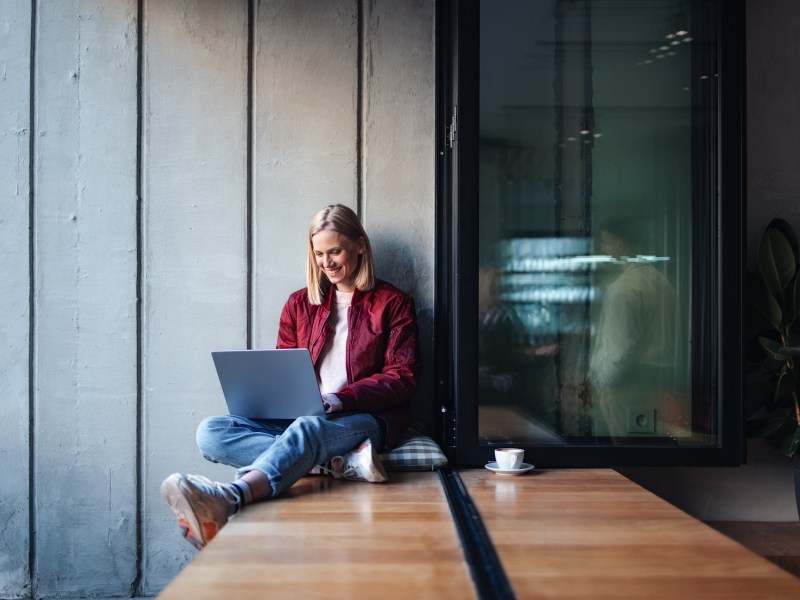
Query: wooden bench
(592, 533)
(331, 538)
(572, 533)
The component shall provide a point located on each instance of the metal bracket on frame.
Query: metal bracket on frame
(452, 128)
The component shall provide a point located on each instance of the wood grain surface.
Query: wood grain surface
(592, 533)
(335, 539)
(570, 533)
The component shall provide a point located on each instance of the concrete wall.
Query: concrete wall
(15, 312)
(145, 171)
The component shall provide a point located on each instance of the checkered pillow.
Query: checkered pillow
(415, 452)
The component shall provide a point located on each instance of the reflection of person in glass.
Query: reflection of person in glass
(496, 337)
(632, 359)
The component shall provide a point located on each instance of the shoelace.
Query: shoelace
(226, 491)
(337, 473)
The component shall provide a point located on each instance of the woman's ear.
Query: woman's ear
(362, 245)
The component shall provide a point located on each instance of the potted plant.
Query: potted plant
(774, 297)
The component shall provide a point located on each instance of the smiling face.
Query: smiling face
(338, 258)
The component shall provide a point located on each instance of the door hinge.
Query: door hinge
(449, 417)
(452, 128)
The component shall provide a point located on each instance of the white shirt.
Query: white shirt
(332, 369)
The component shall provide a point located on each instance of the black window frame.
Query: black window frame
(456, 333)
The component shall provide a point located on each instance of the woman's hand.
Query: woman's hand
(331, 403)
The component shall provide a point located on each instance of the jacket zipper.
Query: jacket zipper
(319, 335)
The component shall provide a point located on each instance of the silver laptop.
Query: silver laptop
(269, 384)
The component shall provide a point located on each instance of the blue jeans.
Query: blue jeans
(281, 449)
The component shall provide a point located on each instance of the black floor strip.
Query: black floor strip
(487, 572)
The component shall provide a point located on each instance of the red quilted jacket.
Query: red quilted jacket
(383, 358)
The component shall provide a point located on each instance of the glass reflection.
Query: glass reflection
(586, 167)
(633, 351)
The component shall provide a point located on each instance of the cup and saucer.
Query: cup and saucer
(509, 461)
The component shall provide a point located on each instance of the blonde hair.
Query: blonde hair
(342, 220)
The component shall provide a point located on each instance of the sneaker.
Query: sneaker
(361, 464)
(202, 506)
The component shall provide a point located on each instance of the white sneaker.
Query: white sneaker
(202, 506)
(361, 464)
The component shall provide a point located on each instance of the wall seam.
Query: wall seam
(32, 572)
(137, 582)
(249, 210)
(360, 209)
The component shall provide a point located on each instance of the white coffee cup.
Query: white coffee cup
(509, 459)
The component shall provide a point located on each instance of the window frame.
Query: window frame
(456, 304)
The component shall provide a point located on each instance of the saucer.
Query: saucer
(492, 466)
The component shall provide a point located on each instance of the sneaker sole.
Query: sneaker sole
(172, 492)
(189, 536)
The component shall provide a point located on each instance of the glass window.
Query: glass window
(596, 154)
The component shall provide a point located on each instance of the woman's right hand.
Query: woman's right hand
(331, 403)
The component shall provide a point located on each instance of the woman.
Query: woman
(362, 336)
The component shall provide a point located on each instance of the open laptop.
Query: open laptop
(269, 384)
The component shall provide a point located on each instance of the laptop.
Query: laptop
(269, 384)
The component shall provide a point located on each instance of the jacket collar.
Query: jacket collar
(357, 296)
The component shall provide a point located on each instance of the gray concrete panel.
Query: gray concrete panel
(399, 158)
(194, 264)
(15, 28)
(85, 297)
(306, 91)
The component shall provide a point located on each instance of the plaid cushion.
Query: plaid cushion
(415, 452)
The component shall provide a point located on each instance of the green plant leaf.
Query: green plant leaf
(763, 301)
(791, 443)
(787, 380)
(786, 352)
(787, 303)
(764, 427)
(788, 232)
(771, 346)
(796, 299)
(777, 262)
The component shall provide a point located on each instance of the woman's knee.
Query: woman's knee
(308, 422)
(210, 434)
(307, 426)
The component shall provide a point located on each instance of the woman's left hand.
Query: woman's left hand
(331, 403)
